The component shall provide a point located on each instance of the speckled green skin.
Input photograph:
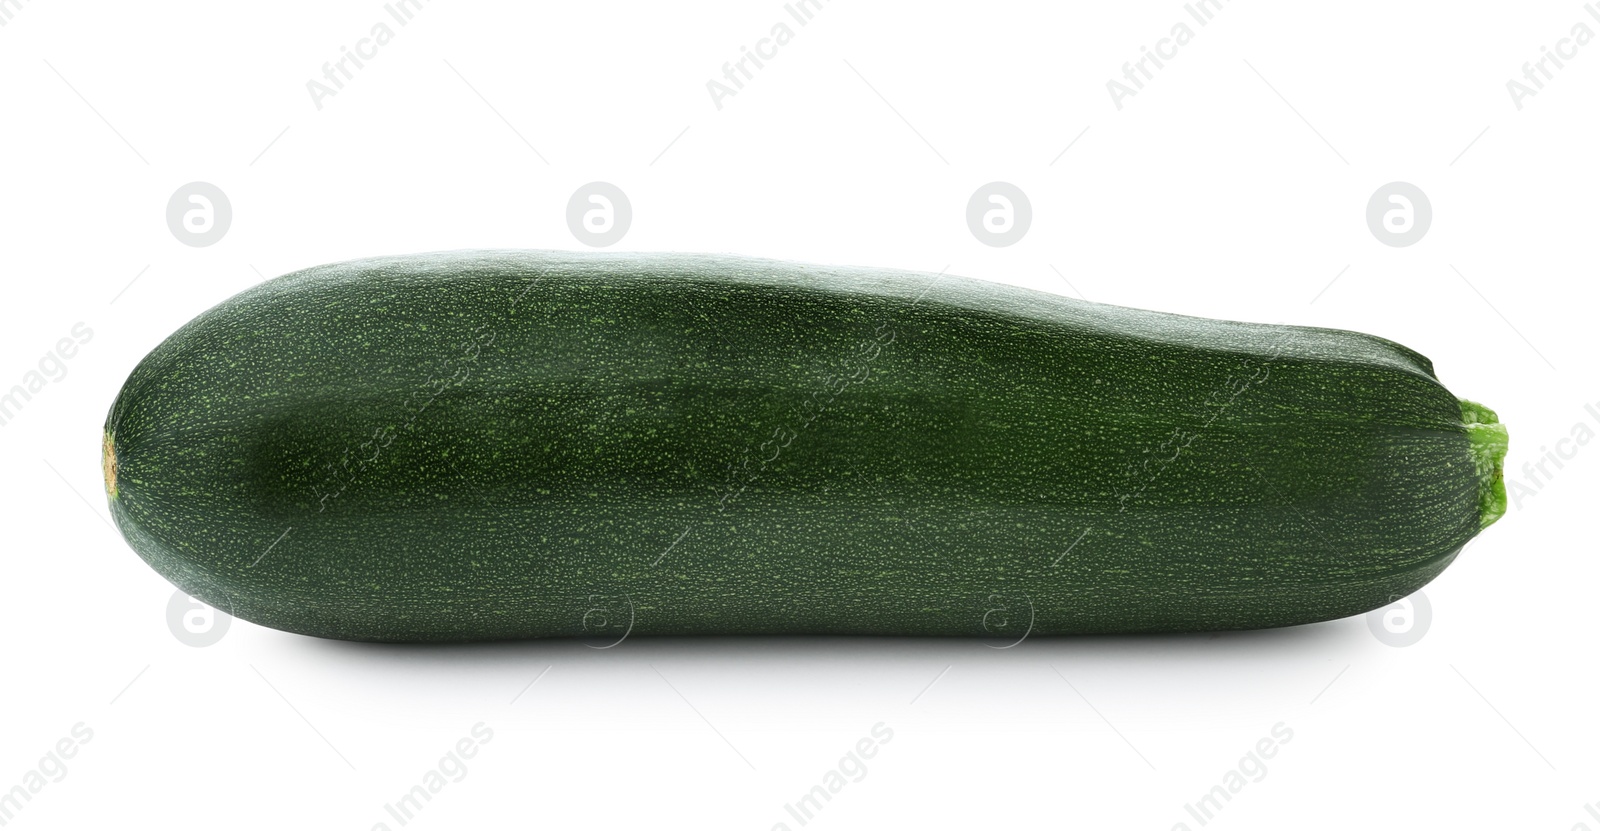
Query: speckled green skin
(598, 445)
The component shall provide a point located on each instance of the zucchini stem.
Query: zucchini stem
(108, 463)
(1487, 440)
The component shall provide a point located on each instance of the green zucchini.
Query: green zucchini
(490, 445)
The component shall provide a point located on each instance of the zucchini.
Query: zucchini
(487, 445)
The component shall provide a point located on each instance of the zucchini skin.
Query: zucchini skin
(484, 445)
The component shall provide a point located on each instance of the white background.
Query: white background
(1233, 185)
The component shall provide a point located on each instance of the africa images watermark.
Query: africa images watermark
(1006, 617)
(51, 767)
(736, 73)
(851, 768)
(1536, 73)
(52, 367)
(357, 459)
(1141, 473)
(1537, 474)
(1136, 73)
(1404, 621)
(9, 9)
(1593, 810)
(751, 466)
(450, 769)
(741, 474)
(335, 74)
(1252, 767)
(451, 371)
